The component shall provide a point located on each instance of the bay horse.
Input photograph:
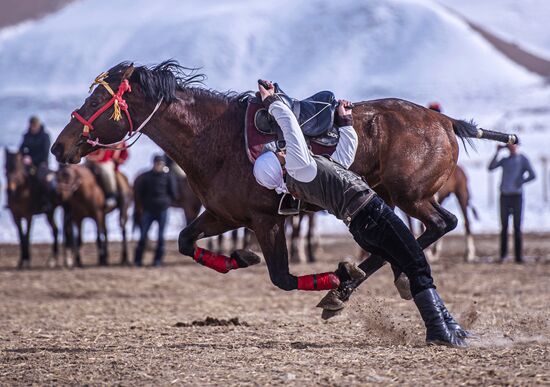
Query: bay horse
(406, 153)
(82, 197)
(25, 198)
(458, 185)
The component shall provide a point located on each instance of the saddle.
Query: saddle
(314, 114)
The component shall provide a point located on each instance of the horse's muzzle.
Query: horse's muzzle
(57, 151)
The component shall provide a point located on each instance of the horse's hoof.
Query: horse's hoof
(328, 314)
(332, 301)
(245, 258)
(354, 272)
(403, 287)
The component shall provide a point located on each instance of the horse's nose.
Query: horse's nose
(57, 150)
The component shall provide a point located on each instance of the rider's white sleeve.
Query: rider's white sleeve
(299, 162)
(347, 146)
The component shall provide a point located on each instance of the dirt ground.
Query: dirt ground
(151, 326)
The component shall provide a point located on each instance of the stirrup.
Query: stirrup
(291, 206)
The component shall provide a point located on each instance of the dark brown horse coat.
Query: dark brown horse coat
(25, 198)
(406, 152)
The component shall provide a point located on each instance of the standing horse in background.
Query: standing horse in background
(82, 197)
(25, 198)
(297, 241)
(458, 185)
(406, 153)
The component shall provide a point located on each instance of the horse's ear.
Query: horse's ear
(128, 72)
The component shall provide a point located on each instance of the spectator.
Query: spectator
(156, 193)
(514, 170)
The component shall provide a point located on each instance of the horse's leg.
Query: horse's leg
(22, 248)
(27, 236)
(246, 238)
(55, 233)
(123, 218)
(67, 236)
(312, 239)
(204, 226)
(270, 232)
(102, 240)
(470, 249)
(220, 244)
(77, 243)
(234, 239)
(295, 239)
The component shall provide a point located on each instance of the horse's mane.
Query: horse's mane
(164, 79)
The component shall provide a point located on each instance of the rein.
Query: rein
(119, 105)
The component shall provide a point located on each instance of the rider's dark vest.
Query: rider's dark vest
(334, 188)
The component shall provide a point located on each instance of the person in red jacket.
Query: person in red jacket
(104, 163)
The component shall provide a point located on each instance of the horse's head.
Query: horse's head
(103, 116)
(68, 181)
(123, 101)
(15, 171)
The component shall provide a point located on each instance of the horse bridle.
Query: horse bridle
(119, 105)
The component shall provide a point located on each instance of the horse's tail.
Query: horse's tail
(468, 130)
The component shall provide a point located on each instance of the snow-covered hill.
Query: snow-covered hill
(523, 22)
(413, 49)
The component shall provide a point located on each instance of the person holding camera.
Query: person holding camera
(516, 171)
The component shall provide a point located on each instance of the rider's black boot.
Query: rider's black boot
(451, 323)
(429, 305)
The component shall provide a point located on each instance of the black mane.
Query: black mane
(164, 79)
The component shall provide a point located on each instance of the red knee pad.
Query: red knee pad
(218, 262)
(323, 281)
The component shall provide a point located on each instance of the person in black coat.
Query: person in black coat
(156, 192)
(35, 148)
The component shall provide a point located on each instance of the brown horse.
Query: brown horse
(82, 197)
(458, 185)
(27, 198)
(406, 153)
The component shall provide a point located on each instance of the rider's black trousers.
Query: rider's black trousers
(379, 231)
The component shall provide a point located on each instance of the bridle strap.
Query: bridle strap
(136, 133)
(119, 104)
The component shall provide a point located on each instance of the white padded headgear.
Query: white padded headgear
(269, 173)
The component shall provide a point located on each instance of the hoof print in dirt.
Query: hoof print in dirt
(212, 322)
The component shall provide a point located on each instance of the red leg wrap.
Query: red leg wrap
(323, 281)
(218, 262)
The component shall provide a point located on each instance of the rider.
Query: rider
(35, 149)
(104, 163)
(325, 183)
(344, 153)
